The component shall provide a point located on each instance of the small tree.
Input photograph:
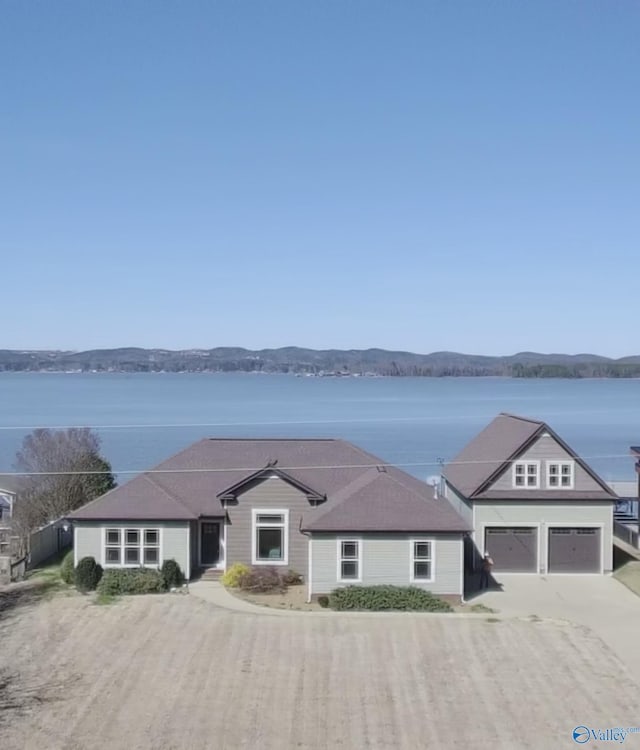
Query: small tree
(87, 574)
(172, 574)
(66, 568)
(63, 470)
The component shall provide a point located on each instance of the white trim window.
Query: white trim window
(560, 474)
(131, 547)
(270, 537)
(526, 474)
(349, 560)
(422, 562)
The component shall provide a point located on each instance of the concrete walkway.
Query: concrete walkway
(215, 593)
(600, 603)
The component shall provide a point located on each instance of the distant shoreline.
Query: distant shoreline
(330, 363)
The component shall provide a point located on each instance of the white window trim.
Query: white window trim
(560, 464)
(123, 530)
(412, 559)
(339, 542)
(255, 512)
(525, 486)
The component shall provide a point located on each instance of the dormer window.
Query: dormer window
(560, 474)
(526, 474)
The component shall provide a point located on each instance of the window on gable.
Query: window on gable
(560, 474)
(270, 538)
(525, 474)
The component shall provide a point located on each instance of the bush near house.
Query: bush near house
(172, 575)
(66, 567)
(234, 575)
(292, 578)
(116, 581)
(87, 574)
(261, 580)
(406, 598)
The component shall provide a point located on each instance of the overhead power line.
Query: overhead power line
(255, 469)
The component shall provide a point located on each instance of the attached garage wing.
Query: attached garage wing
(513, 550)
(574, 550)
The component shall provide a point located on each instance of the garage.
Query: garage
(513, 550)
(574, 550)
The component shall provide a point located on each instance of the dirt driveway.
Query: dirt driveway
(176, 672)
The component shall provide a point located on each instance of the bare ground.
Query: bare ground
(172, 672)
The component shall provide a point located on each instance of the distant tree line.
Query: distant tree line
(330, 362)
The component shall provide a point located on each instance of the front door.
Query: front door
(209, 543)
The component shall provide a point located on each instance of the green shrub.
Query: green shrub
(408, 598)
(66, 567)
(323, 600)
(172, 575)
(87, 574)
(235, 573)
(117, 581)
(292, 578)
(261, 580)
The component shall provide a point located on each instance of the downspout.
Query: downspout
(309, 560)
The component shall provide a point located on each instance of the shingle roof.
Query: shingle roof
(10, 482)
(359, 495)
(480, 459)
(501, 441)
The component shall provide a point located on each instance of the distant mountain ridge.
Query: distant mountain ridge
(325, 362)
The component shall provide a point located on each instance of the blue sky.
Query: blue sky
(344, 173)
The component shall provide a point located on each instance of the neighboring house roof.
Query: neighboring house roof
(491, 452)
(10, 483)
(349, 489)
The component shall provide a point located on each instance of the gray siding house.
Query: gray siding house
(325, 508)
(534, 505)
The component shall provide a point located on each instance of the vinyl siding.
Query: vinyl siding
(174, 539)
(87, 541)
(547, 514)
(269, 494)
(545, 449)
(387, 559)
(459, 504)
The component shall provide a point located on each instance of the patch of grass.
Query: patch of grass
(493, 619)
(105, 599)
(629, 576)
(482, 608)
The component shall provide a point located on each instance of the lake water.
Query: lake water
(144, 418)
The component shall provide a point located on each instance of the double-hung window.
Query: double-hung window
(349, 560)
(560, 474)
(132, 547)
(526, 474)
(270, 537)
(421, 560)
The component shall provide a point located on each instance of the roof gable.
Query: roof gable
(479, 474)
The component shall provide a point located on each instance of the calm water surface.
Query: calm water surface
(144, 418)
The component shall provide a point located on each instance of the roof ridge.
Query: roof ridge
(270, 440)
(166, 492)
(521, 418)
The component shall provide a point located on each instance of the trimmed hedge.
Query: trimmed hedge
(172, 575)
(66, 567)
(234, 575)
(116, 581)
(404, 598)
(87, 574)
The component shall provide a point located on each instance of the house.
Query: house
(8, 494)
(532, 502)
(325, 508)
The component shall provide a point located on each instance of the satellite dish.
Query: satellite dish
(433, 480)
